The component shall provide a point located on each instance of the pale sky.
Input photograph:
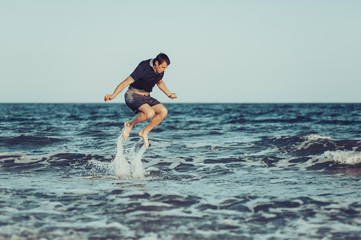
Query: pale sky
(220, 51)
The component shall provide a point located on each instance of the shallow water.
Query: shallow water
(213, 171)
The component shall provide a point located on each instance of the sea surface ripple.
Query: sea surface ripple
(212, 171)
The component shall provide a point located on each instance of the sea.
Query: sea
(212, 171)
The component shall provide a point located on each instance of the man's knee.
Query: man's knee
(164, 112)
(149, 114)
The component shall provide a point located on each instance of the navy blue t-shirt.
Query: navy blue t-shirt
(145, 77)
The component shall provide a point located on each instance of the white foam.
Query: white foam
(155, 204)
(150, 236)
(314, 137)
(343, 157)
(99, 165)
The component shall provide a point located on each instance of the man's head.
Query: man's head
(161, 62)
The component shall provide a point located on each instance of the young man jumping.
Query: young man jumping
(141, 82)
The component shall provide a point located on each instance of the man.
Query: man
(141, 82)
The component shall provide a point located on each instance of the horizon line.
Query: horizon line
(291, 102)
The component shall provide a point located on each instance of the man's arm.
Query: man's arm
(161, 85)
(120, 88)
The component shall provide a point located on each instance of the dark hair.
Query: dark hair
(162, 58)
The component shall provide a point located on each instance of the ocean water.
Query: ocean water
(212, 171)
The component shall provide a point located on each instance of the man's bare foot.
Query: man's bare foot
(126, 130)
(145, 137)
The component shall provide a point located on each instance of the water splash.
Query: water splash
(128, 162)
(120, 163)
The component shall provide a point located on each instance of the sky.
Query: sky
(221, 51)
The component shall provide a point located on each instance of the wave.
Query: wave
(21, 162)
(28, 140)
(310, 152)
(331, 159)
(309, 145)
(313, 152)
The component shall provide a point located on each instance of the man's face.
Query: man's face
(159, 68)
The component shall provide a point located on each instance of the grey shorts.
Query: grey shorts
(135, 101)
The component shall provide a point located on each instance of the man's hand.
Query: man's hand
(108, 97)
(173, 96)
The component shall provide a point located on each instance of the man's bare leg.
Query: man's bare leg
(145, 113)
(161, 112)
